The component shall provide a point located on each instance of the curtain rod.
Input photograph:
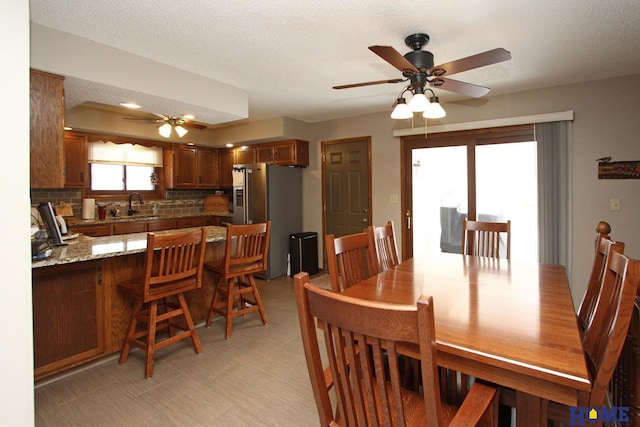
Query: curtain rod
(480, 124)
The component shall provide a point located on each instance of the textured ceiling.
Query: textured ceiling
(287, 54)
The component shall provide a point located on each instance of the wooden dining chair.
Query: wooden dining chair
(367, 380)
(173, 266)
(604, 246)
(604, 339)
(383, 239)
(236, 293)
(482, 238)
(351, 259)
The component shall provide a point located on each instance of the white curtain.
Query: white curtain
(554, 192)
(124, 154)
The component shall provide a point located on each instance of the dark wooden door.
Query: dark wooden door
(346, 185)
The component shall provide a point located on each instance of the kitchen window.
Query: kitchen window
(117, 169)
(121, 177)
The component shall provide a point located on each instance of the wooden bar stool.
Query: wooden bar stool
(173, 265)
(246, 253)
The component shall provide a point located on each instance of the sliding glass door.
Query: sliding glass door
(489, 175)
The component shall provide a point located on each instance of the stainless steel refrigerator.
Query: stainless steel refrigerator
(264, 192)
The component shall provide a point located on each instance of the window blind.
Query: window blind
(124, 154)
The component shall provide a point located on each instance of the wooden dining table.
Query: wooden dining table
(508, 322)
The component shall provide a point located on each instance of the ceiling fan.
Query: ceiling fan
(169, 123)
(417, 68)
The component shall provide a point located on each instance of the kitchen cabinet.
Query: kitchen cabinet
(47, 135)
(91, 230)
(195, 221)
(75, 160)
(184, 166)
(245, 156)
(129, 227)
(293, 152)
(195, 167)
(207, 167)
(212, 220)
(161, 224)
(226, 160)
(68, 316)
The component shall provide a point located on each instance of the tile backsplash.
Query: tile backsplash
(176, 202)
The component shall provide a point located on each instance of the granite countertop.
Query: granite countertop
(110, 219)
(85, 248)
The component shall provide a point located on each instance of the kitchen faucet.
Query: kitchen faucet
(131, 211)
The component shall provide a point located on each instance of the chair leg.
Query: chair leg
(229, 313)
(215, 301)
(151, 338)
(190, 325)
(256, 295)
(124, 354)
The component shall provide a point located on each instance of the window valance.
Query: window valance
(124, 154)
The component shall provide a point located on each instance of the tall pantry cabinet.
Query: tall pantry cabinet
(47, 134)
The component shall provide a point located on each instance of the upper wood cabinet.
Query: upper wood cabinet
(47, 135)
(195, 167)
(184, 166)
(207, 167)
(245, 156)
(293, 152)
(75, 160)
(226, 160)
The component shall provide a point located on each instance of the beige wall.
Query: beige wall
(606, 124)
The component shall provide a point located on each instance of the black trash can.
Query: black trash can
(303, 253)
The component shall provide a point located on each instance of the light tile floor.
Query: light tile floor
(257, 378)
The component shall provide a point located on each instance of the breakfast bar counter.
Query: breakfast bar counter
(85, 248)
(79, 314)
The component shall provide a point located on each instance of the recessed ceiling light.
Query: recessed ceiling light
(130, 105)
(67, 128)
(189, 116)
(229, 145)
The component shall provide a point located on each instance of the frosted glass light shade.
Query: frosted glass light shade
(165, 130)
(418, 103)
(402, 110)
(434, 110)
(181, 131)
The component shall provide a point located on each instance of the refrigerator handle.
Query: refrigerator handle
(248, 203)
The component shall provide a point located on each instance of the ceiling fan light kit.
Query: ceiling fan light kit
(417, 68)
(170, 123)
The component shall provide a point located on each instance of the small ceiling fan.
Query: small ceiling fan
(417, 68)
(169, 123)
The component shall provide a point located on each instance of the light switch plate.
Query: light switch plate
(615, 204)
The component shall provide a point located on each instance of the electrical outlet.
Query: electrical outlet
(615, 204)
(393, 198)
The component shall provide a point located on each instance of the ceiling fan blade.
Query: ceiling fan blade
(394, 58)
(144, 119)
(193, 125)
(377, 82)
(468, 89)
(470, 62)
